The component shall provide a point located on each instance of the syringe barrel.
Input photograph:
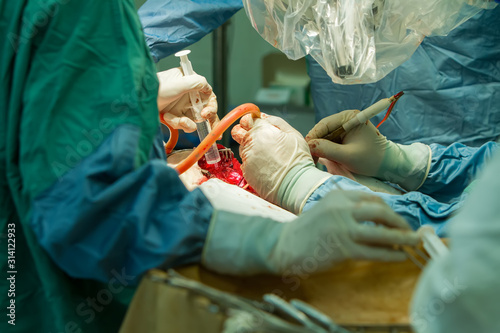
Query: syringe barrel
(212, 155)
(195, 99)
(202, 126)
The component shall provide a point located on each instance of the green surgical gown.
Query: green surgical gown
(71, 73)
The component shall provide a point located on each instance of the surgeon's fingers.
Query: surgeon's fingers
(214, 121)
(207, 89)
(173, 89)
(380, 254)
(330, 150)
(247, 122)
(384, 236)
(213, 118)
(281, 124)
(319, 130)
(371, 207)
(329, 124)
(238, 133)
(380, 213)
(209, 111)
(183, 123)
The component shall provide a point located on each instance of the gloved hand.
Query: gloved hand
(173, 99)
(328, 233)
(367, 152)
(277, 162)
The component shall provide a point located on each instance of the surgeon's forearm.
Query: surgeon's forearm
(104, 215)
(333, 183)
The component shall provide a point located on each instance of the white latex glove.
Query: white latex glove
(366, 152)
(328, 233)
(173, 99)
(277, 162)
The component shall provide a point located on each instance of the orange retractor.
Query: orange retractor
(202, 148)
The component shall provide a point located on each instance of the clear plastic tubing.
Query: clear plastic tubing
(202, 126)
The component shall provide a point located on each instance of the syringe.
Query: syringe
(202, 126)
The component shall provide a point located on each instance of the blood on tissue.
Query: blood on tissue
(228, 170)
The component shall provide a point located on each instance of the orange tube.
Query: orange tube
(174, 136)
(202, 148)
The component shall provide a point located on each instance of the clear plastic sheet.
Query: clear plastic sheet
(356, 41)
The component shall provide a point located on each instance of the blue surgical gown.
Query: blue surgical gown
(451, 174)
(171, 25)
